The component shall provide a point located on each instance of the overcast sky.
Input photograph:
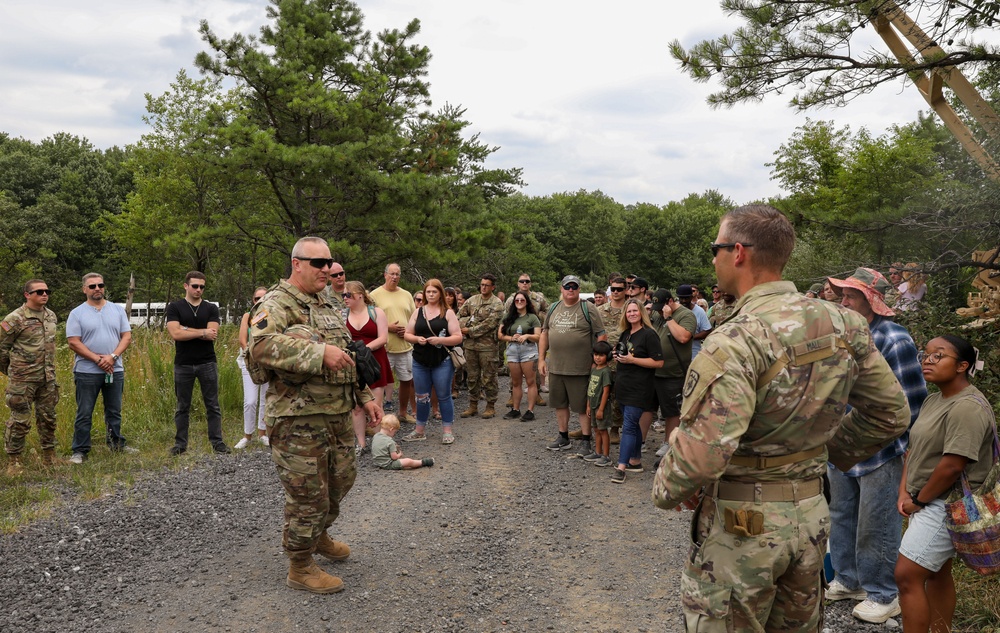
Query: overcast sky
(581, 95)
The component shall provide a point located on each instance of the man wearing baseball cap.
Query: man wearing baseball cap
(865, 528)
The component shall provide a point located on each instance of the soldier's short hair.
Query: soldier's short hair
(768, 231)
(297, 249)
(90, 276)
(31, 282)
(488, 277)
(194, 274)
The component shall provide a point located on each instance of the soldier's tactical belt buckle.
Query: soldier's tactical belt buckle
(762, 492)
(760, 462)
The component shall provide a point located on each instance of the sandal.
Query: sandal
(448, 438)
(413, 436)
(437, 415)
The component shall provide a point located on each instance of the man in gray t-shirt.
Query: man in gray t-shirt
(98, 332)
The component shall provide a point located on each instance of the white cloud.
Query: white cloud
(581, 95)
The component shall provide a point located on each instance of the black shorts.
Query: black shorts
(668, 396)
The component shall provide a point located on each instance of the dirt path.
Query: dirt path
(501, 535)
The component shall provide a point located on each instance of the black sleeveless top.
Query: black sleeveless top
(429, 355)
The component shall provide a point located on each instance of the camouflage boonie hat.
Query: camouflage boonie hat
(872, 284)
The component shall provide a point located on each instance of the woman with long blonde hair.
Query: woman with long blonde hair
(913, 288)
(368, 324)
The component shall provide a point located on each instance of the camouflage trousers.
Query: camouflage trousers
(314, 456)
(768, 582)
(482, 368)
(20, 397)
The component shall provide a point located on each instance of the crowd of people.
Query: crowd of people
(749, 388)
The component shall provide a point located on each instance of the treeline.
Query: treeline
(338, 139)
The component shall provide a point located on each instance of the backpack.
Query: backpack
(586, 312)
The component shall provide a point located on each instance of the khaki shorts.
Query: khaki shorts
(402, 365)
(568, 392)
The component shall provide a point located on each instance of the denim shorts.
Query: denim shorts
(521, 352)
(926, 541)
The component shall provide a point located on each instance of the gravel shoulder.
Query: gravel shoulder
(500, 535)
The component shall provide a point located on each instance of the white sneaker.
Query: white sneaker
(837, 591)
(871, 611)
(241, 444)
(660, 452)
(77, 458)
(263, 439)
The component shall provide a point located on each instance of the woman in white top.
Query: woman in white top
(253, 395)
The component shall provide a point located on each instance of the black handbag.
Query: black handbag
(368, 370)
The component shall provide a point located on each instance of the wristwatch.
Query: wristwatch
(115, 357)
(913, 497)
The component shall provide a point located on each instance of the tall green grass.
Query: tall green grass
(147, 424)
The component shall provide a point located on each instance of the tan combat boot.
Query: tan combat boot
(490, 410)
(575, 435)
(471, 411)
(304, 574)
(49, 458)
(331, 549)
(540, 401)
(14, 466)
(615, 435)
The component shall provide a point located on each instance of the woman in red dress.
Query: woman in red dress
(369, 325)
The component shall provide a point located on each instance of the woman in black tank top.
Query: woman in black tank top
(432, 329)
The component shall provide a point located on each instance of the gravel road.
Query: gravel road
(500, 535)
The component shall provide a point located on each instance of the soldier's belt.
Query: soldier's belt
(760, 492)
(761, 462)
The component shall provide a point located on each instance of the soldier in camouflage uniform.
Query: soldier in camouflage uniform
(301, 338)
(764, 408)
(722, 310)
(28, 357)
(480, 319)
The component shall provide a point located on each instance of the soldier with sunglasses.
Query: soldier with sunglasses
(28, 358)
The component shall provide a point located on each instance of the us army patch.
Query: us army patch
(260, 317)
(6, 326)
(692, 382)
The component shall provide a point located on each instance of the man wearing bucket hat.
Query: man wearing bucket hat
(865, 529)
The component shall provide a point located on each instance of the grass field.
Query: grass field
(147, 424)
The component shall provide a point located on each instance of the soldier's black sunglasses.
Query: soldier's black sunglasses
(40, 292)
(317, 262)
(727, 245)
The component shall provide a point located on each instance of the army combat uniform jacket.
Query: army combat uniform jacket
(289, 333)
(482, 317)
(28, 345)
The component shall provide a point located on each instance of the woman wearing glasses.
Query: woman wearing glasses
(954, 432)
(253, 395)
(368, 324)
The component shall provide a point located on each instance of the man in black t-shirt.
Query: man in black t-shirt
(194, 325)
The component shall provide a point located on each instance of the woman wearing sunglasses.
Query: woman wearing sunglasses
(368, 324)
(954, 432)
(253, 395)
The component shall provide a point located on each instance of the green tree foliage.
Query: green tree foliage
(337, 123)
(812, 49)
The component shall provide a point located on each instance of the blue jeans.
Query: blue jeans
(207, 375)
(88, 386)
(631, 438)
(440, 379)
(866, 529)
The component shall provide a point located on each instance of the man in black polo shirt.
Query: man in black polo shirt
(194, 325)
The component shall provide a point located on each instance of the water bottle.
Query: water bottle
(519, 331)
(444, 333)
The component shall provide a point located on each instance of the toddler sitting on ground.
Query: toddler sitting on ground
(385, 453)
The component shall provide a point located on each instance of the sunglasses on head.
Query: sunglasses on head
(40, 292)
(318, 262)
(95, 286)
(197, 286)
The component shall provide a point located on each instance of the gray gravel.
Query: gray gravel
(500, 535)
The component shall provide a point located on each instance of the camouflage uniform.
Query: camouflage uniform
(764, 406)
(720, 312)
(312, 443)
(482, 317)
(612, 318)
(28, 357)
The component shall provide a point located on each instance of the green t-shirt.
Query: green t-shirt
(599, 379)
(571, 338)
(960, 425)
(674, 363)
(382, 447)
(528, 323)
